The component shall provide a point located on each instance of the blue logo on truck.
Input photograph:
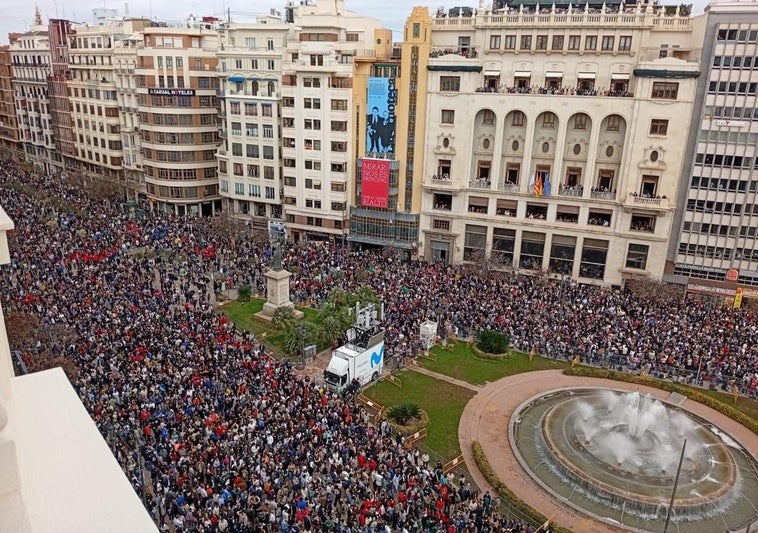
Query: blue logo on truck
(376, 358)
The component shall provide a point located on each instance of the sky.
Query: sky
(18, 15)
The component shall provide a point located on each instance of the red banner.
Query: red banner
(375, 183)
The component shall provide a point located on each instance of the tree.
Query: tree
(22, 329)
(650, 290)
(297, 337)
(491, 341)
(228, 229)
(243, 293)
(284, 318)
(404, 413)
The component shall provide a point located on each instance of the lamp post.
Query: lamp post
(673, 492)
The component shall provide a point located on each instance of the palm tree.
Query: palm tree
(297, 337)
(283, 318)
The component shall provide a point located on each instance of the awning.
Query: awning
(492, 73)
(586, 75)
(522, 74)
(620, 76)
(236, 79)
(553, 74)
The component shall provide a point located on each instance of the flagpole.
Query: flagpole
(673, 492)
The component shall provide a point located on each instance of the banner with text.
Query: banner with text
(375, 183)
(381, 99)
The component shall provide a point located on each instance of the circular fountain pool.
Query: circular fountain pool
(615, 455)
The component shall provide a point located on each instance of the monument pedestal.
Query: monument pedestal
(277, 295)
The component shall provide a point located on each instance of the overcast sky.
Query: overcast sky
(18, 15)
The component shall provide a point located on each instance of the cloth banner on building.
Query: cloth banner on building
(375, 183)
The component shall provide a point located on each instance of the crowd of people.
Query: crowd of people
(218, 436)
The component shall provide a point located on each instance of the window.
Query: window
(312, 82)
(526, 42)
(488, 117)
(510, 42)
(613, 123)
(649, 186)
(580, 121)
(312, 103)
(450, 84)
(665, 90)
(270, 193)
(548, 120)
(448, 116)
(659, 126)
(574, 42)
(441, 224)
(268, 131)
(475, 242)
(416, 31)
(239, 188)
(594, 253)
(625, 43)
(317, 60)
(517, 119)
(252, 150)
(636, 256)
(238, 171)
(494, 42)
(590, 42)
(271, 64)
(253, 171)
(557, 42)
(254, 190)
(607, 43)
(339, 105)
(541, 42)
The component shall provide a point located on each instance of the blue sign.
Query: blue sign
(381, 100)
(376, 358)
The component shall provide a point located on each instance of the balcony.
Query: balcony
(480, 183)
(636, 201)
(575, 191)
(602, 195)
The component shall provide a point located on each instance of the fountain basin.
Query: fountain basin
(614, 456)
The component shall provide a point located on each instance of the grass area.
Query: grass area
(460, 362)
(745, 405)
(243, 316)
(442, 401)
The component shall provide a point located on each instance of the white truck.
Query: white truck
(361, 358)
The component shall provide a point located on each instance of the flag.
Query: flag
(531, 182)
(546, 187)
(575, 361)
(531, 354)
(538, 188)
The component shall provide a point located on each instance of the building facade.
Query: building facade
(178, 113)
(30, 59)
(125, 50)
(318, 116)
(716, 243)
(10, 145)
(59, 33)
(551, 138)
(250, 166)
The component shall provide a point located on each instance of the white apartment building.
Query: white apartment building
(718, 216)
(250, 75)
(94, 104)
(30, 60)
(318, 126)
(125, 49)
(590, 100)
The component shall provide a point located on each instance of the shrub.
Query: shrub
(505, 493)
(243, 293)
(403, 413)
(491, 341)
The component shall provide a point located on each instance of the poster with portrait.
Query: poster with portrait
(381, 100)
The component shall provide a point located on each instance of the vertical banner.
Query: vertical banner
(737, 298)
(381, 99)
(375, 183)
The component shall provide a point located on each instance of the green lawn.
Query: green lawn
(747, 406)
(243, 316)
(459, 362)
(442, 401)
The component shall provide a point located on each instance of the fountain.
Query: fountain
(615, 455)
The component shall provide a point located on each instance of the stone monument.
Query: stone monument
(277, 288)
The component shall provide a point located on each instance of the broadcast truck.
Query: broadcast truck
(361, 358)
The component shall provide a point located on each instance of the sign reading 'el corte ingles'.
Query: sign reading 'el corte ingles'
(172, 92)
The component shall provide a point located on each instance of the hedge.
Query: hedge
(694, 395)
(507, 494)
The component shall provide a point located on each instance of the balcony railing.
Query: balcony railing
(480, 183)
(658, 201)
(603, 195)
(576, 192)
(508, 186)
